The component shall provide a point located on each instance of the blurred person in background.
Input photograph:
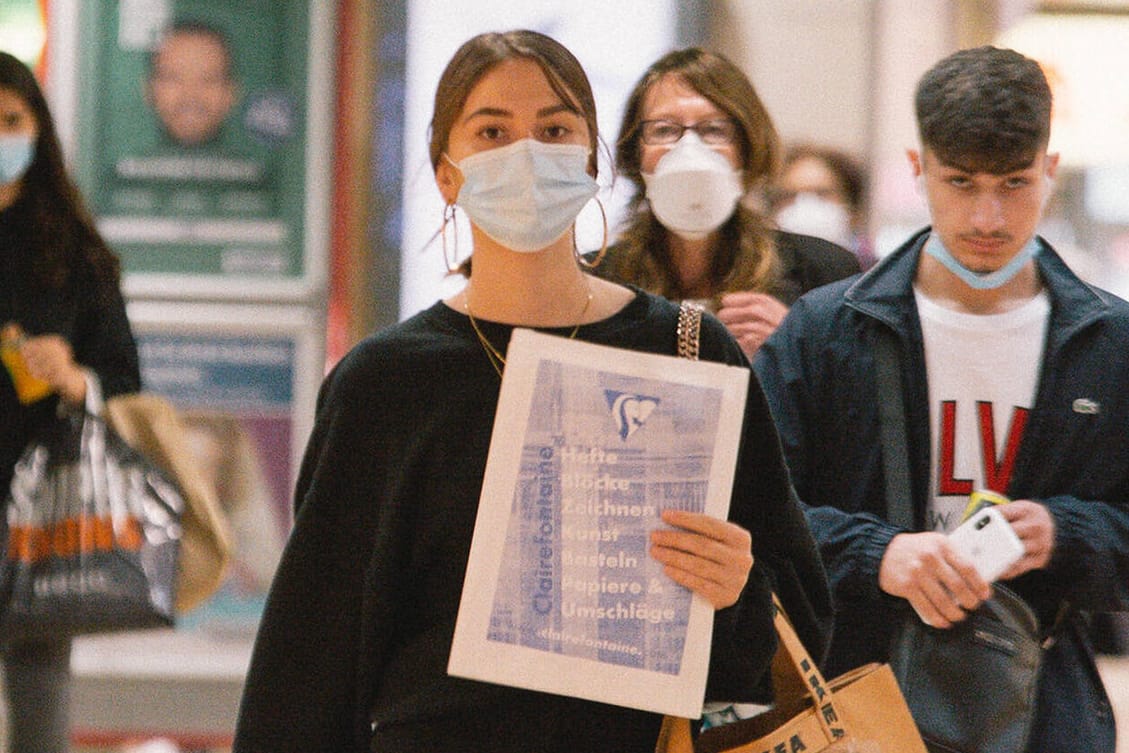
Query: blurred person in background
(64, 325)
(699, 146)
(822, 191)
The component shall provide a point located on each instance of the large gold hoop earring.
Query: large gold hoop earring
(603, 245)
(449, 219)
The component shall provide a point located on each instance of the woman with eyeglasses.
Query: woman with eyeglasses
(699, 145)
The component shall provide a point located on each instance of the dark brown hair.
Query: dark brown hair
(984, 109)
(478, 55)
(847, 170)
(61, 230)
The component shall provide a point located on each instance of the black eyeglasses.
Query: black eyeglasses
(714, 132)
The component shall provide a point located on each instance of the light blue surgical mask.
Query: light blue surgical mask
(981, 280)
(16, 154)
(527, 194)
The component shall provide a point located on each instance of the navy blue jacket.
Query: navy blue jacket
(818, 373)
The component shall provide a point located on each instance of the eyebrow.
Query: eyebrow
(1013, 172)
(544, 112)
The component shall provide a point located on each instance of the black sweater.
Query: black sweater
(91, 316)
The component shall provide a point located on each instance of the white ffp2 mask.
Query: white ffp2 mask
(812, 214)
(693, 189)
(527, 194)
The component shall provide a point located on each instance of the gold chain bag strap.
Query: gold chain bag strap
(674, 735)
(689, 330)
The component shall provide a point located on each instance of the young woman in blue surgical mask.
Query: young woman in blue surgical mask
(62, 323)
(699, 145)
(352, 650)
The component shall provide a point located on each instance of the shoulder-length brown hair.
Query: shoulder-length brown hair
(745, 255)
(61, 229)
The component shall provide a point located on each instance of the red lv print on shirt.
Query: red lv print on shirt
(997, 470)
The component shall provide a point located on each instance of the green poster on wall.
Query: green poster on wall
(193, 139)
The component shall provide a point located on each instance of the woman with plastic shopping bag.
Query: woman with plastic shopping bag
(64, 323)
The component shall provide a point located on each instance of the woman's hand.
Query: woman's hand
(711, 557)
(751, 318)
(50, 358)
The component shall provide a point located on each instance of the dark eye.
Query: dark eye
(492, 132)
(556, 132)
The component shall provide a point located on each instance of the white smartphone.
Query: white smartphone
(988, 541)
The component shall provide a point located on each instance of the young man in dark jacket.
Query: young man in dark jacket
(1014, 375)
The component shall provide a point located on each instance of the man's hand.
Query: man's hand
(751, 318)
(940, 584)
(1033, 524)
(709, 556)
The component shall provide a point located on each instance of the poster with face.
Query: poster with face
(193, 121)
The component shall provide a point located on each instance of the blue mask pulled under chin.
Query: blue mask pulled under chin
(981, 280)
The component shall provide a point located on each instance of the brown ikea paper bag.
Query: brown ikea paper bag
(151, 425)
(862, 711)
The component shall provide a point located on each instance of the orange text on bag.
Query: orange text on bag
(67, 538)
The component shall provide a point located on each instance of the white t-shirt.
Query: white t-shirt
(983, 371)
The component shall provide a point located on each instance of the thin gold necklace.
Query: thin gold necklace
(497, 360)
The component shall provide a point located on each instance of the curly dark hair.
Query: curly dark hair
(984, 109)
(62, 230)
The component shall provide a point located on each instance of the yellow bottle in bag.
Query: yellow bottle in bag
(29, 389)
